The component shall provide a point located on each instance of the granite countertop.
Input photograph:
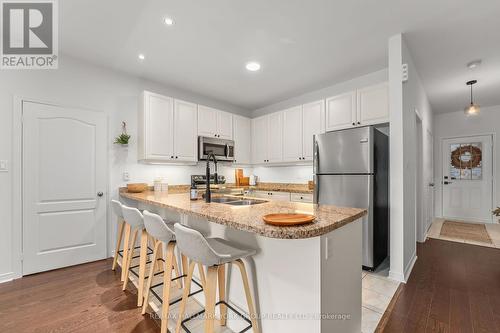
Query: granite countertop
(249, 218)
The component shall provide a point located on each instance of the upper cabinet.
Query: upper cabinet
(167, 129)
(300, 124)
(373, 104)
(242, 134)
(313, 122)
(366, 106)
(267, 139)
(214, 123)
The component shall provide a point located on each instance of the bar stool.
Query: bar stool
(117, 209)
(214, 253)
(134, 223)
(164, 234)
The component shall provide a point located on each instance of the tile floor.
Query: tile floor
(378, 290)
(493, 230)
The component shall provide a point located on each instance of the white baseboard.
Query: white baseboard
(6, 277)
(397, 276)
(409, 267)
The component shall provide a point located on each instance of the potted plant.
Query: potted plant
(496, 212)
(123, 139)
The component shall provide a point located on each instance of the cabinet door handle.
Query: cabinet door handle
(176, 156)
(359, 123)
(353, 124)
(171, 157)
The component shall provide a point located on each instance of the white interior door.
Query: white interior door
(64, 187)
(429, 181)
(467, 178)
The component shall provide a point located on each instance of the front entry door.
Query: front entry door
(467, 178)
(64, 186)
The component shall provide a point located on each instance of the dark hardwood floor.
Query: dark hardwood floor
(84, 298)
(454, 287)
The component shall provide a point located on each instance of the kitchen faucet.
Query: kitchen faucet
(208, 194)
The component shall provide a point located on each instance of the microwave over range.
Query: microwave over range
(222, 149)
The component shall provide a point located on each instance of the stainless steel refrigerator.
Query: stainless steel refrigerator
(351, 170)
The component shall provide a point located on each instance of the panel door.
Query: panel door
(225, 125)
(275, 137)
(207, 121)
(185, 130)
(341, 111)
(64, 186)
(292, 134)
(159, 118)
(242, 139)
(467, 179)
(260, 140)
(373, 105)
(313, 123)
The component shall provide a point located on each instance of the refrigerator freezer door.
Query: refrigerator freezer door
(350, 191)
(344, 152)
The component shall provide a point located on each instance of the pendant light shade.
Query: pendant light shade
(472, 109)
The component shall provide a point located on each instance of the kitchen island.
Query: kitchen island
(306, 278)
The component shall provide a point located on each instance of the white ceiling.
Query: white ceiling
(302, 45)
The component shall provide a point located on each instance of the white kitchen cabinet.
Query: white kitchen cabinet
(271, 195)
(373, 105)
(341, 111)
(185, 129)
(362, 107)
(167, 129)
(275, 137)
(214, 123)
(301, 197)
(292, 134)
(313, 122)
(155, 127)
(267, 139)
(259, 139)
(242, 134)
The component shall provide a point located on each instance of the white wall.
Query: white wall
(83, 85)
(339, 88)
(405, 99)
(456, 124)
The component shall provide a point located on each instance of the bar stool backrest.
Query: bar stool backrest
(157, 228)
(117, 208)
(192, 244)
(133, 217)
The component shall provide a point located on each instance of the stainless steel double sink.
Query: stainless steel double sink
(237, 201)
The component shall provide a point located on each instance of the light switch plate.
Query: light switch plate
(3, 166)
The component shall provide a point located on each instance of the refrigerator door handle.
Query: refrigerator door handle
(316, 156)
(316, 190)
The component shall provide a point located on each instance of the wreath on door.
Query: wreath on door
(466, 157)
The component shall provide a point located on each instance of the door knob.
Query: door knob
(431, 184)
(100, 194)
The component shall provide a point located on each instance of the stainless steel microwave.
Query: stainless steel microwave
(222, 149)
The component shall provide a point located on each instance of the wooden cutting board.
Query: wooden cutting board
(286, 220)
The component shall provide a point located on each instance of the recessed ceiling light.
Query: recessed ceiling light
(168, 21)
(252, 66)
(474, 64)
(141, 56)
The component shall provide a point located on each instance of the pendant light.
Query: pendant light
(472, 109)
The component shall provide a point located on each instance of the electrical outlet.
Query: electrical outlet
(126, 176)
(404, 72)
(4, 166)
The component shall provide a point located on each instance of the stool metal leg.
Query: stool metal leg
(152, 269)
(126, 242)
(118, 243)
(187, 287)
(222, 294)
(142, 266)
(129, 258)
(167, 281)
(248, 293)
(210, 294)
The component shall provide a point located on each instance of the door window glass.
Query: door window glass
(466, 161)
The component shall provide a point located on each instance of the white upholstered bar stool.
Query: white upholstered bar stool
(116, 206)
(165, 242)
(214, 253)
(134, 222)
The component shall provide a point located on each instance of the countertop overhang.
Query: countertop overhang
(249, 218)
